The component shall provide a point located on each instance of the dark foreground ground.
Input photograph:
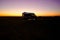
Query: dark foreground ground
(14, 28)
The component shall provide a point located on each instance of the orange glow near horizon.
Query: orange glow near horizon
(37, 13)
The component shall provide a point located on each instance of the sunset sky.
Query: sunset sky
(39, 7)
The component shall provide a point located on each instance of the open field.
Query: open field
(14, 28)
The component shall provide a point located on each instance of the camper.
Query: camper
(28, 16)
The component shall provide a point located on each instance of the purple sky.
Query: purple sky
(30, 5)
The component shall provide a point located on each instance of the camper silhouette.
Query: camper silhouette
(28, 16)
